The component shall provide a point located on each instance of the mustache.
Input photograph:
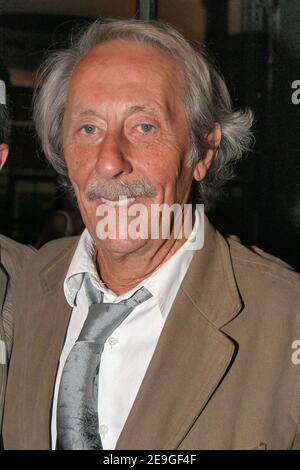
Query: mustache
(112, 190)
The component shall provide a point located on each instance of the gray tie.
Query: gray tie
(77, 405)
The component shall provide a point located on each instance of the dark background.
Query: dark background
(256, 45)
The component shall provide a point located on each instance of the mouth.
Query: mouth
(121, 202)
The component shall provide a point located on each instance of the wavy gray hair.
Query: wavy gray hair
(206, 100)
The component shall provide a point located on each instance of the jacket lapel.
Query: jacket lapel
(54, 306)
(192, 354)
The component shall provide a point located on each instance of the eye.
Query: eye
(89, 129)
(145, 128)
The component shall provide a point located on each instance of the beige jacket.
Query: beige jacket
(12, 257)
(222, 375)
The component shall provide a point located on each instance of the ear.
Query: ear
(214, 139)
(3, 154)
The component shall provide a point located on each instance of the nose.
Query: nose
(111, 158)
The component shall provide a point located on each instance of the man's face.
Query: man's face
(126, 134)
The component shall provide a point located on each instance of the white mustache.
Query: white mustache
(108, 189)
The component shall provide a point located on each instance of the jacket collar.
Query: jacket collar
(53, 273)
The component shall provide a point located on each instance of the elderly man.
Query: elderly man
(127, 338)
(12, 257)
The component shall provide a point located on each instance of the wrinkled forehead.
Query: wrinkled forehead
(129, 60)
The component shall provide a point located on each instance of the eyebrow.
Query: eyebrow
(144, 107)
(138, 108)
(157, 110)
(132, 110)
(83, 111)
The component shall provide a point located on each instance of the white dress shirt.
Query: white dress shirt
(128, 351)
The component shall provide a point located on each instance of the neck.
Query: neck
(121, 273)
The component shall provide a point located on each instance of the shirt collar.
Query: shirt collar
(163, 283)
(82, 262)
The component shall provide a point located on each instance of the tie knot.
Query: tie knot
(104, 318)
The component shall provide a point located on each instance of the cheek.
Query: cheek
(166, 170)
(78, 161)
(162, 158)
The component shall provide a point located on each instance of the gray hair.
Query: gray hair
(4, 124)
(206, 99)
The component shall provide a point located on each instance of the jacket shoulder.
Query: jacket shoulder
(54, 251)
(56, 247)
(262, 266)
(15, 248)
(13, 255)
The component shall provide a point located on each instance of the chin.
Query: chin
(120, 246)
